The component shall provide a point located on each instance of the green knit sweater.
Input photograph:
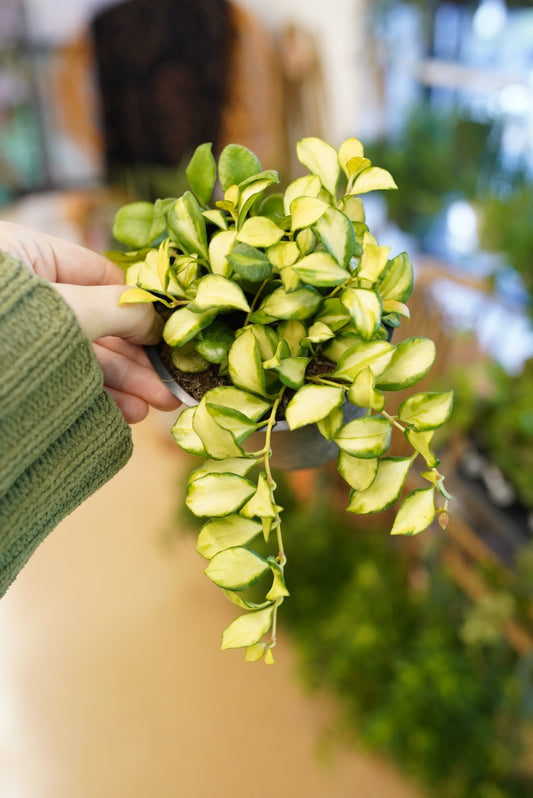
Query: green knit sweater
(61, 435)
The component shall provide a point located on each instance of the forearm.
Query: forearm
(61, 435)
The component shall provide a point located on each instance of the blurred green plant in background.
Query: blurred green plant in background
(499, 420)
(438, 154)
(421, 673)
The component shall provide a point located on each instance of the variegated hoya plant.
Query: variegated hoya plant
(257, 286)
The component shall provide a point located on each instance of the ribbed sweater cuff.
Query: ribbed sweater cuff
(61, 435)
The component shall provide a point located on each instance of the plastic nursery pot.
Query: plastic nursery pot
(304, 447)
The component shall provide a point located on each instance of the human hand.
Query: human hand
(92, 285)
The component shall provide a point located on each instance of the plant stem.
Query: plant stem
(255, 300)
(392, 420)
(281, 558)
(324, 381)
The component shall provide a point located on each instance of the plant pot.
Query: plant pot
(305, 447)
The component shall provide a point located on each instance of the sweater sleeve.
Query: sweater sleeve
(61, 435)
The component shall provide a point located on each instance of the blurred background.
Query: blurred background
(404, 669)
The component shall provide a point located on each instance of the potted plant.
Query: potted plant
(279, 310)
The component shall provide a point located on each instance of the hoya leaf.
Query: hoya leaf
(411, 360)
(293, 331)
(354, 209)
(214, 342)
(250, 191)
(282, 351)
(266, 338)
(341, 344)
(333, 313)
(416, 512)
(307, 186)
(187, 359)
(216, 217)
(248, 629)
(234, 421)
(261, 503)
(374, 261)
(331, 424)
(184, 434)
(305, 211)
(236, 569)
(260, 231)
(249, 262)
(254, 653)
(397, 280)
(218, 442)
(245, 604)
(306, 241)
(425, 411)
(134, 296)
(360, 355)
(336, 232)
(318, 333)
(244, 364)
(201, 173)
(299, 304)
(247, 403)
(163, 263)
(148, 276)
(183, 325)
(236, 163)
(218, 495)
(219, 247)
(393, 306)
(321, 159)
(359, 473)
(279, 588)
(216, 292)
(291, 371)
(224, 533)
(349, 149)
(312, 403)
(385, 489)
(126, 259)
(362, 391)
(272, 206)
(289, 278)
(185, 270)
(283, 254)
(266, 523)
(364, 308)
(373, 179)
(136, 225)
(365, 437)
(421, 441)
(356, 165)
(321, 270)
(187, 225)
(268, 175)
(231, 465)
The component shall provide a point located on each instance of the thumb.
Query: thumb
(99, 314)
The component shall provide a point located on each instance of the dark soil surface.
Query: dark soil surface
(199, 383)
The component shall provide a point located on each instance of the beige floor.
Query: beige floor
(111, 681)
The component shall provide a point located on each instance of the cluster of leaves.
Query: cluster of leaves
(258, 286)
(411, 682)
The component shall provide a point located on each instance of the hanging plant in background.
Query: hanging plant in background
(282, 304)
